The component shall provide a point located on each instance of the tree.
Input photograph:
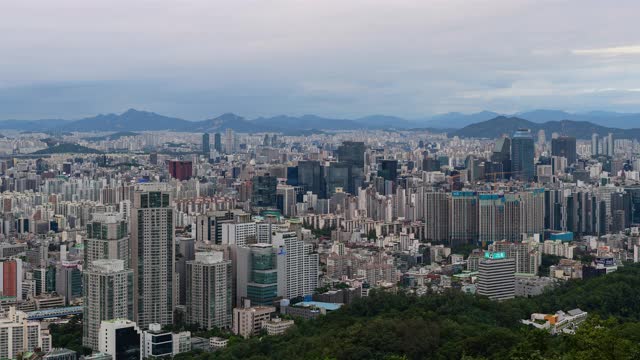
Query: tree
(372, 235)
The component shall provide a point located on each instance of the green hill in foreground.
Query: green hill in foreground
(459, 326)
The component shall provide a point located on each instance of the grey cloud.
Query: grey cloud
(197, 58)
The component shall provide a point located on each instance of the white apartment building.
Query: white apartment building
(209, 290)
(19, 335)
(107, 238)
(239, 234)
(558, 248)
(107, 296)
(152, 245)
(297, 265)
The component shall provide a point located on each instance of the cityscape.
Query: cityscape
(484, 227)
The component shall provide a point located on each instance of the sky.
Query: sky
(196, 59)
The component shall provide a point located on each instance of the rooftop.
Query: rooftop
(324, 305)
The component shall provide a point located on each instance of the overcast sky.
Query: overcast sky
(343, 58)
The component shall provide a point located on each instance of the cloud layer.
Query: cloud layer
(198, 58)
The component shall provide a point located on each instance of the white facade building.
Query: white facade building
(19, 335)
(209, 290)
(107, 295)
(120, 337)
(496, 278)
(297, 265)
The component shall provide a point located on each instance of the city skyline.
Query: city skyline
(173, 243)
(289, 179)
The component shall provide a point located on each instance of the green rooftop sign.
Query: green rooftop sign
(495, 255)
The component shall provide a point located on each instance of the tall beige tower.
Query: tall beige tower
(153, 255)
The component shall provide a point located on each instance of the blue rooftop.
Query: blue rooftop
(324, 305)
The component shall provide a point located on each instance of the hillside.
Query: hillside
(32, 125)
(457, 120)
(455, 325)
(500, 125)
(67, 148)
(603, 118)
(229, 121)
(131, 120)
(481, 124)
(114, 136)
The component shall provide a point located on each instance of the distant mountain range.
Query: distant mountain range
(136, 120)
(602, 118)
(456, 120)
(501, 125)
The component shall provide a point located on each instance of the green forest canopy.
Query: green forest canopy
(455, 325)
(449, 326)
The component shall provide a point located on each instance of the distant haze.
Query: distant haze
(196, 59)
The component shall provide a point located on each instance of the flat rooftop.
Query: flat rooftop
(324, 305)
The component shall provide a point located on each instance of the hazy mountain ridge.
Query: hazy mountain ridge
(457, 120)
(130, 120)
(136, 120)
(500, 125)
(32, 125)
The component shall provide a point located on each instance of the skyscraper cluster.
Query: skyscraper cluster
(224, 235)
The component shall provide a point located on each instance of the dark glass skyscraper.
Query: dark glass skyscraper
(292, 175)
(388, 169)
(338, 176)
(311, 177)
(351, 155)
(217, 142)
(264, 190)
(430, 164)
(502, 154)
(564, 146)
(262, 288)
(522, 155)
(206, 147)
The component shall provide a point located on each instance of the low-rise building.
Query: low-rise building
(218, 343)
(181, 342)
(560, 322)
(566, 269)
(98, 356)
(48, 301)
(247, 321)
(157, 343)
(120, 338)
(277, 326)
(199, 343)
(528, 286)
(308, 310)
(340, 296)
(60, 354)
(558, 248)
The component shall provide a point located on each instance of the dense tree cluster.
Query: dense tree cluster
(69, 336)
(450, 326)
(454, 325)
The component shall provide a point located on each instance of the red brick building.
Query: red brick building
(181, 170)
